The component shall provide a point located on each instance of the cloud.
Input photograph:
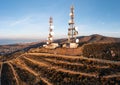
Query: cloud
(17, 22)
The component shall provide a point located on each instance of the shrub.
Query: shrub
(110, 51)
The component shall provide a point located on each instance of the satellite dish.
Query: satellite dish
(51, 39)
(71, 14)
(70, 21)
(47, 42)
(77, 40)
(76, 28)
(52, 27)
(52, 33)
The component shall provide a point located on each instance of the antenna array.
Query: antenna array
(72, 30)
(50, 37)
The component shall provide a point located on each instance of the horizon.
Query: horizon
(38, 38)
(24, 41)
(30, 19)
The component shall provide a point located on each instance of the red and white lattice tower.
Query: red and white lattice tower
(72, 30)
(50, 36)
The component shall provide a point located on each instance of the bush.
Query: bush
(110, 51)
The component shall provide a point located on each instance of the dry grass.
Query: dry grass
(53, 69)
(62, 51)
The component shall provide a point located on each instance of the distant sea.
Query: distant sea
(12, 41)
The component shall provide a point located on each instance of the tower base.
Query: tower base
(70, 45)
(51, 46)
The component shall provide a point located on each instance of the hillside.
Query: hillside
(6, 49)
(50, 69)
(92, 39)
(97, 44)
(98, 38)
(95, 62)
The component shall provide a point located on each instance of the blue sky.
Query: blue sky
(28, 19)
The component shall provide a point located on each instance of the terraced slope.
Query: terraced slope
(50, 69)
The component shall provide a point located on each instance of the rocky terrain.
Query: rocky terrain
(35, 65)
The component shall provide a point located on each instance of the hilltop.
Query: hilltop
(95, 38)
(15, 49)
(94, 62)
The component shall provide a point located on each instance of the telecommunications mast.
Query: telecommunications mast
(50, 36)
(72, 30)
(50, 44)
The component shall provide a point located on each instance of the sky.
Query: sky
(29, 19)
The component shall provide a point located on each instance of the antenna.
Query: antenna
(72, 30)
(50, 36)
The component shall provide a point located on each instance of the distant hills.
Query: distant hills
(98, 38)
(15, 49)
(88, 39)
(95, 38)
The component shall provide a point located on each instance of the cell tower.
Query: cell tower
(50, 44)
(50, 36)
(72, 30)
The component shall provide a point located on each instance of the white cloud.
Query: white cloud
(17, 22)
